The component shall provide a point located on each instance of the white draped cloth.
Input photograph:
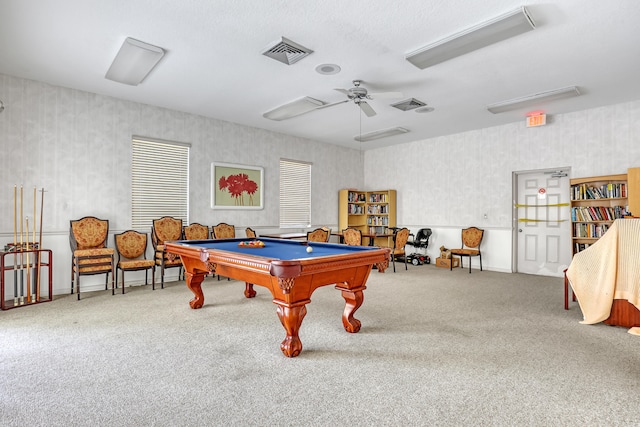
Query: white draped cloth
(607, 270)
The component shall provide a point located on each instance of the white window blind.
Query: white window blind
(295, 194)
(159, 181)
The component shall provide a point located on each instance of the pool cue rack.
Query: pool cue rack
(23, 262)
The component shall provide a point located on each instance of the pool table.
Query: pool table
(287, 270)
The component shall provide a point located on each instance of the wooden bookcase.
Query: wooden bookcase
(372, 212)
(595, 203)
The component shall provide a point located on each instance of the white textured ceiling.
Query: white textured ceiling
(214, 66)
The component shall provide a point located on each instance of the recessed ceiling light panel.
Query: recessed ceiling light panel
(384, 133)
(134, 62)
(484, 34)
(537, 100)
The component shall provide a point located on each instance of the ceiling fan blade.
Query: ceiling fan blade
(385, 95)
(367, 109)
(332, 104)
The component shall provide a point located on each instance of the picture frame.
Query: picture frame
(235, 186)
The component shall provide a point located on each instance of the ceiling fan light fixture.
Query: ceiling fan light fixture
(293, 109)
(536, 100)
(484, 34)
(378, 134)
(134, 62)
(286, 51)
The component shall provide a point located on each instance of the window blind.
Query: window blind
(159, 181)
(295, 194)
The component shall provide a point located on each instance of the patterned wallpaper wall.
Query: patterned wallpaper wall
(77, 145)
(454, 180)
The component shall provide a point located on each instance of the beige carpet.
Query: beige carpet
(436, 348)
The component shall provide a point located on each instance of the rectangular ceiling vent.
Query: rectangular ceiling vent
(287, 51)
(409, 104)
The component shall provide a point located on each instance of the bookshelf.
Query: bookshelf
(595, 203)
(372, 212)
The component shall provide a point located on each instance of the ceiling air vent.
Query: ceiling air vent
(287, 51)
(409, 104)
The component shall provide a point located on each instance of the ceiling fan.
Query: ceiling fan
(358, 94)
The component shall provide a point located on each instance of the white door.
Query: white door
(543, 222)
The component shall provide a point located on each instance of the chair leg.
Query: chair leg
(393, 259)
(122, 282)
(480, 255)
(469, 265)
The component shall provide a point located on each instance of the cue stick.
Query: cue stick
(21, 248)
(40, 248)
(28, 266)
(15, 245)
(32, 285)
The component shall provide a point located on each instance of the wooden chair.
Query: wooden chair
(319, 235)
(131, 247)
(223, 231)
(400, 238)
(250, 233)
(352, 236)
(90, 254)
(471, 239)
(165, 229)
(195, 231)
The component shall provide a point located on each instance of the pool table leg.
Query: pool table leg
(194, 282)
(249, 292)
(353, 299)
(291, 318)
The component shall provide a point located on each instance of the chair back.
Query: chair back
(472, 237)
(88, 233)
(319, 235)
(195, 231)
(224, 231)
(250, 233)
(352, 237)
(131, 244)
(166, 229)
(400, 238)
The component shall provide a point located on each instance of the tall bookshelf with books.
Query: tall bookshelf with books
(372, 212)
(595, 203)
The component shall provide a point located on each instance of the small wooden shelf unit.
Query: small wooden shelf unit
(372, 212)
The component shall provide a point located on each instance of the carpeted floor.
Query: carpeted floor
(437, 348)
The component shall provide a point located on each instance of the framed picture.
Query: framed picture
(236, 186)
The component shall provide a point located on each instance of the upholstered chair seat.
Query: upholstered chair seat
(163, 230)
(471, 240)
(400, 238)
(195, 231)
(319, 235)
(90, 255)
(352, 237)
(224, 231)
(131, 247)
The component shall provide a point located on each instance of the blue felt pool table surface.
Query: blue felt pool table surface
(278, 248)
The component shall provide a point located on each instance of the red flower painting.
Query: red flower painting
(237, 185)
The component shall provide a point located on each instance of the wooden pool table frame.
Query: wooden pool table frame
(291, 282)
